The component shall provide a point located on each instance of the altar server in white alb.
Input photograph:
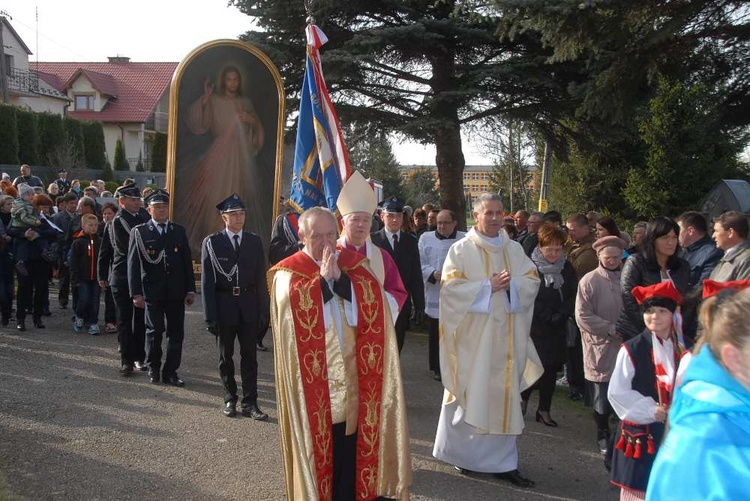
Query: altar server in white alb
(433, 249)
(486, 355)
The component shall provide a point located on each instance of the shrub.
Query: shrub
(93, 146)
(74, 133)
(159, 153)
(28, 136)
(121, 160)
(51, 135)
(8, 135)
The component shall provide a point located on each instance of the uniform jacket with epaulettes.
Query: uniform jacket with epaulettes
(234, 303)
(173, 277)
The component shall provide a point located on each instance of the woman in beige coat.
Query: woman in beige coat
(598, 305)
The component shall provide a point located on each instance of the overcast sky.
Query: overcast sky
(144, 30)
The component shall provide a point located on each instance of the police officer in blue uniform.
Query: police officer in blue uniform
(63, 185)
(161, 279)
(235, 303)
(113, 272)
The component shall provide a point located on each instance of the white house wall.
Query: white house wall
(82, 85)
(40, 104)
(132, 139)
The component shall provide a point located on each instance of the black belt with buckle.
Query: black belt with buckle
(236, 291)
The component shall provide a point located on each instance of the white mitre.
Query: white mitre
(356, 196)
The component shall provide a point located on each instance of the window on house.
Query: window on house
(84, 102)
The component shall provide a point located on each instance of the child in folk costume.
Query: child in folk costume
(641, 387)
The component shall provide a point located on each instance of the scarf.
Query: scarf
(552, 271)
(665, 363)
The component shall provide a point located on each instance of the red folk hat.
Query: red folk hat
(712, 287)
(654, 295)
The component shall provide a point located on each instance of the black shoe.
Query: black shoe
(252, 411)
(154, 377)
(230, 409)
(63, 306)
(140, 366)
(261, 347)
(436, 376)
(126, 369)
(576, 396)
(21, 325)
(515, 478)
(174, 380)
(38, 323)
(548, 421)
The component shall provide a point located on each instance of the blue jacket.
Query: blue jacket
(703, 255)
(706, 454)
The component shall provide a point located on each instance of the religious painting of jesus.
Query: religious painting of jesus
(225, 136)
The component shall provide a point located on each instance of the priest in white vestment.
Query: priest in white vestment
(486, 355)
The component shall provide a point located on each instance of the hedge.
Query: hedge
(28, 136)
(8, 135)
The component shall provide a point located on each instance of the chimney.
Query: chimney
(119, 59)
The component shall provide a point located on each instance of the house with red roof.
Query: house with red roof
(131, 99)
(24, 87)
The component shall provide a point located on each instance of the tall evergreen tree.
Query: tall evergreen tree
(420, 68)
(371, 153)
(121, 160)
(93, 145)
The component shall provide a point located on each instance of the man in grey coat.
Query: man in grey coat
(730, 235)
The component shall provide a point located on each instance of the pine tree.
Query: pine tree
(121, 160)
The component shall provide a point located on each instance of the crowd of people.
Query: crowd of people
(613, 313)
(510, 306)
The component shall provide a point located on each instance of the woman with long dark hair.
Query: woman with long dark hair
(656, 262)
(607, 227)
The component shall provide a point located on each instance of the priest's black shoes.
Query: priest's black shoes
(230, 409)
(126, 369)
(141, 366)
(261, 347)
(515, 478)
(21, 325)
(38, 322)
(253, 411)
(173, 380)
(154, 377)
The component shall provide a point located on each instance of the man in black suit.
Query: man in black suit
(403, 248)
(235, 303)
(161, 279)
(113, 272)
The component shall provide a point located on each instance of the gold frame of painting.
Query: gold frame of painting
(204, 60)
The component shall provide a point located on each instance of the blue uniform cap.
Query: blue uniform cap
(158, 196)
(393, 205)
(130, 191)
(232, 203)
(62, 171)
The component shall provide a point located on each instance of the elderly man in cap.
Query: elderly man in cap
(356, 204)
(404, 250)
(235, 303)
(161, 279)
(113, 272)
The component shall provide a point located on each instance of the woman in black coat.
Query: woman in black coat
(7, 287)
(553, 306)
(656, 262)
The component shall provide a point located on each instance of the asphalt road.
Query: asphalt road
(72, 428)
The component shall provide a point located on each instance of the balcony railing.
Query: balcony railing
(23, 80)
